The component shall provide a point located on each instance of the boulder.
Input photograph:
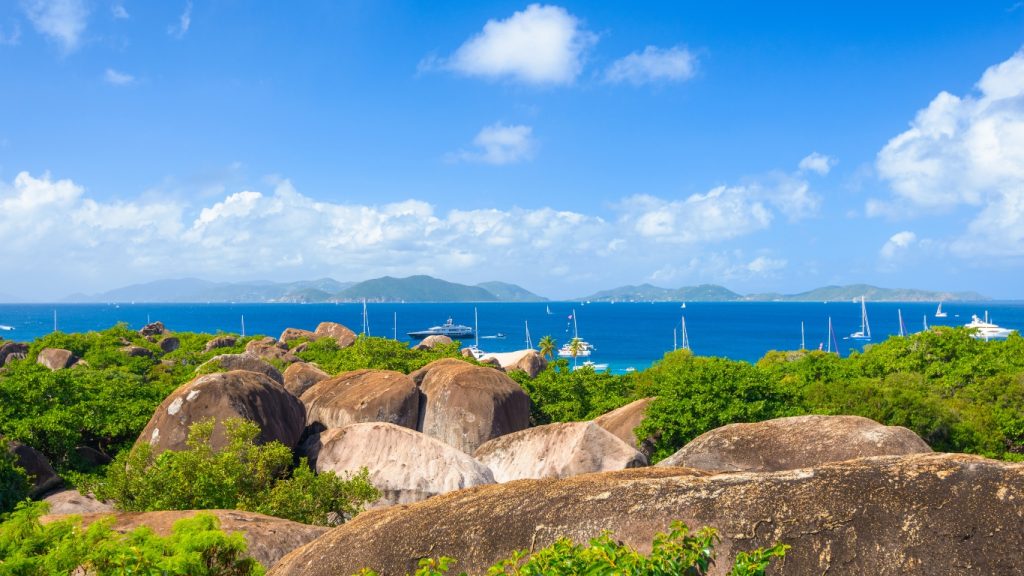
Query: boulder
(223, 395)
(268, 538)
(405, 465)
(796, 442)
(243, 362)
(340, 334)
(300, 348)
(38, 468)
(270, 349)
(300, 376)
(557, 451)
(290, 334)
(919, 514)
(169, 344)
(137, 352)
(91, 456)
(8, 348)
(530, 362)
(220, 342)
(623, 421)
(154, 329)
(429, 342)
(56, 358)
(14, 356)
(363, 396)
(74, 502)
(466, 405)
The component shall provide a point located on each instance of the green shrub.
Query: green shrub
(196, 547)
(14, 484)
(375, 353)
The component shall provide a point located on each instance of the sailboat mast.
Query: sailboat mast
(684, 338)
(243, 325)
(802, 346)
(396, 326)
(864, 325)
(54, 319)
(476, 327)
(529, 343)
(899, 314)
(674, 346)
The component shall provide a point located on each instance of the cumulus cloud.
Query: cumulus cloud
(763, 265)
(116, 78)
(540, 45)
(817, 163)
(119, 12)
(653, 65)
(966, 151)
(180, 28)
(897, 244)
(720, 214)
(62, 21)
(499, 144)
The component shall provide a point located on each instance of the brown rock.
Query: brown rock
(74, 502)
(137, 351)
(38, 468)
(169, 344)
(363, 396)
(791, 443)
(243, 362)
(429, 342)
(56, 358)
(14, 356)
(530, 362)
(466, 405)
(405, 465)
(557, 451)
(154, 329)
(290, 334)
(270, 349)
(268, 538)
(223, 395)
(300, 348)
(8, 348)
(301, 376)
(340, 334)
(220, 342)
(920, 514)
(624, 420)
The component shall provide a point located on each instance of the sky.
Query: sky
(565, 147)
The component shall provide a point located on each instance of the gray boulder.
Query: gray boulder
(301, 376)
(243, 362)
(56, 358)
(363, 396)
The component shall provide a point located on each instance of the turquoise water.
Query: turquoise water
(625, 334)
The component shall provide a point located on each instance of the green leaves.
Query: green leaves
(375, 353)
(14, 484)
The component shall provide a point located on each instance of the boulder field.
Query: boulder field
(363, 396)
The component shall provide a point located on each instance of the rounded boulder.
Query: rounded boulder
(301, 376)
(363, 396)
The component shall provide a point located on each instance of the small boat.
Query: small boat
(683, 305)
(939, 313)
(593, 366)
(984, 329)
(498, 336)
(630, 369)
(6, 327)
(549, 310)
(865, 329)
(449, 329)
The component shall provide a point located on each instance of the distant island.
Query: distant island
(715, 293)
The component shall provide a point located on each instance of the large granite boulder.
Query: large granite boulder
(136, 351)
(466, 405)
(223, 395)
(290, 334)
(301, 376)
(74, 502)
(268, 538)
(56, 358)
(919, 514)
(42, 475)
(340, 334)
(270, 349)
(796, 442)
(557, 451)
(8, 348)
(530, 361)
(220, 342)
(154, 329)
(242, 362)
(14, 356)
(431, 341)
(363, 396)
(169, 344)
(624, 420)
(405, 465)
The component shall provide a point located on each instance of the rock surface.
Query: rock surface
(270, 349)
(137, 351)
(622, 421)
(530, 362)
(154, 329)
(269, 538)
(8, 348)
(363, 396)
(223, 395)
(340, 334)
(56, 358)
(557, 451)
(220, 342)
(466, 405)
(169, 344)
(429, 342)
(74, 502)
(405, 465)
(796, 442)
(301, 376)
(244, 362)
(40, 473)
(891, 515)
(290, 334)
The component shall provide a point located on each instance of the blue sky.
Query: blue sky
(566, 147)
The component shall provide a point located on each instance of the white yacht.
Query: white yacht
(865, 329)
(449, 329)
(939, 313)
(593, 365)
(985, 329)
(583, 348)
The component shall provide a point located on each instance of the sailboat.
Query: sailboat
(802, 345)
(939, 313)
(366, 320)
(529, 343)
(549, 310)
(865, 329)
(903, 329)
(684, 338)
(925, 323)
(583, 348)
(833, 344)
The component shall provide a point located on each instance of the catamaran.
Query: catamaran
(865, 329)
(582, 347)
(939, 313)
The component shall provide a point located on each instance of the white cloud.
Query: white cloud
(540, 45)
(720, 214)
(11, 38)
(818, 163)
(119, 12)
(180, 28)
(654, 65)
(967, 151)
(762, 265)
(500, 144)
(116, 78)
(897, 244)
(63, 21)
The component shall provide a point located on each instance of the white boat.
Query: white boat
(984, 329)
(903, 328)
(549, 310)
(582, 347)
(449, 329)
(939, 313)
(865, 329)
(592, 365)
(6, 327)
(683, 305)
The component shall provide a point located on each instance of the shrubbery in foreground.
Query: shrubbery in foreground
(196, 547)
(14, 484)
(672, 554)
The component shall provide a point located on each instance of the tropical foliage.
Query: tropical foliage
(14, 484)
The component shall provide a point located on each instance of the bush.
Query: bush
(196, 546)
(672, 554)
(374, 353)
(14, 484)
(243, 475)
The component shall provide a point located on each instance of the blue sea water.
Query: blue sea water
(624, 334)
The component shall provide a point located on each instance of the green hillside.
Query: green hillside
(415, 289)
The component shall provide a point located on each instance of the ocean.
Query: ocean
(625, 335)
